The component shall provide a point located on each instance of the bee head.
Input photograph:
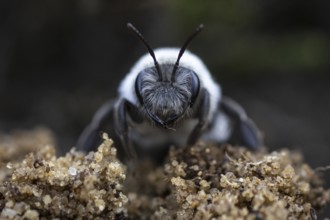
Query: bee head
(167, 90)
(166, 101)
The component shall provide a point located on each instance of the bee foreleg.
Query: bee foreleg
(111, 113)
(202, 114)
(90, 137)
(121, 109)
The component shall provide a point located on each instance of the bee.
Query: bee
(169, 98)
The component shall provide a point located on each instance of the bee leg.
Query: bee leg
(90, 137)
(121, 110)
(202, 114)
(112, 113)
(244, 132)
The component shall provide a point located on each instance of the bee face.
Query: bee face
(163, 99)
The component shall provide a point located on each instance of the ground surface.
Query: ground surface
(201, 182)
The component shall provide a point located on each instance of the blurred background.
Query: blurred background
(60, 60)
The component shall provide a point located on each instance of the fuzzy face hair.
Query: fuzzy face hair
(165, 99)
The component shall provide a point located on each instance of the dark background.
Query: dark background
(60, 60)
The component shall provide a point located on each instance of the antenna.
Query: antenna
(150, 50)
(183, 48)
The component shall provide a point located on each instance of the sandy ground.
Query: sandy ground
(201, 182)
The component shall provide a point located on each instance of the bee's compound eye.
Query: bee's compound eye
(195, 85)
(138, 87)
